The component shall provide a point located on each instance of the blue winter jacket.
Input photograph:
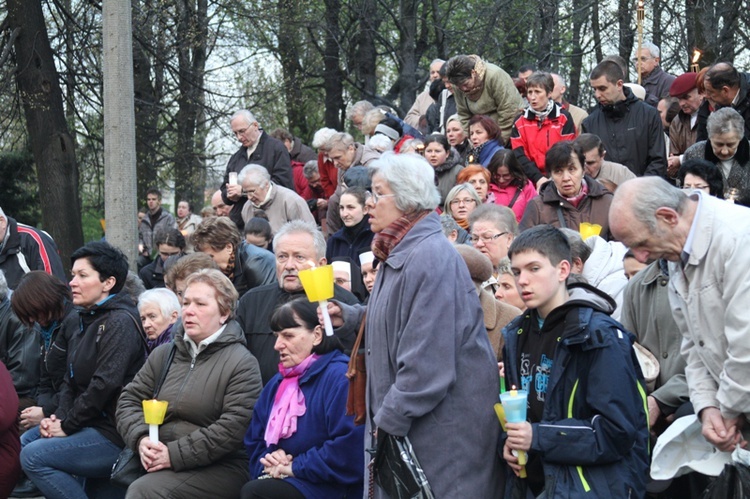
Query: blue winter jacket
(327, 449)
(593, 437)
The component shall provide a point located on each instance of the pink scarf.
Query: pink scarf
(289, 403)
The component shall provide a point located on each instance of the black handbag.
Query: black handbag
(397, 469)
(127, 468)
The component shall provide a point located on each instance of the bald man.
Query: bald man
(705, 240)
(221, 209)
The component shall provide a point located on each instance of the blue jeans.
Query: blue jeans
(51, 463)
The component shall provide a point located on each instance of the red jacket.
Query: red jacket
(329, 174)
(530, 138)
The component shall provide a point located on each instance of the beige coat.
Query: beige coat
(709, 300)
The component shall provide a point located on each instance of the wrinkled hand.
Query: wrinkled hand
(337, 315)
(31, 416)
(519, 436)
(154, 457)
(501, 369)
(276, 458)
(322, 203)
(511, 459)
(51, 427)
(722, 433)
(234, 192)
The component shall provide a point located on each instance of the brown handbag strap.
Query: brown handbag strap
(352, 370)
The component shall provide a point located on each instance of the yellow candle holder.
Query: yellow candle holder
(588, 229)
(318, 285)
(318, 282)
(154, 411)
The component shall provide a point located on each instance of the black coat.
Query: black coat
(742, 107)
(28, 248)
(19, 351)
(632, 134)
(271, 154)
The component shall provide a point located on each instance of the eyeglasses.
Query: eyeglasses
(700, 187)
(485, 238)
(376, 197)
(465, 202)
(642, 59)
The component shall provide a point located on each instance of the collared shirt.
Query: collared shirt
(688, 248)
(252, 148)
(268, 196)
(196, 349)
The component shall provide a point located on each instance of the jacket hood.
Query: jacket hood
(450, 162)
(582, 294)
(118, 301)
(605, 259)
(618, 109)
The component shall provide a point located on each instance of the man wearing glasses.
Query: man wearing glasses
(256, 147)
(492, 229)
(654, 80)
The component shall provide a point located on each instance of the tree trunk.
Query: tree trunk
(51, 143)
(580, 14)
(147, 101)
(289, 25)
(625, 10)
(365, 56)
(119, 128)
(407, 90)
(547, 25)
(332, 78)
(189, 168)
(596, 32)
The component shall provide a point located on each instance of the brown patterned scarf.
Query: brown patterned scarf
(229, 271)
(388, 238)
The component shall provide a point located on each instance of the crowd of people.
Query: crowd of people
(496, 239)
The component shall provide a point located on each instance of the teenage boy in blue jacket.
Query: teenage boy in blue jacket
(586, 433)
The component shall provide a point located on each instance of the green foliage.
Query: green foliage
(18, 187)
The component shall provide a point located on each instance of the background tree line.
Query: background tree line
(295, 64)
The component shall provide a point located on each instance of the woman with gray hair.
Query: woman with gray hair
(160, 310)
(729, 150)
(431, 369)
(461, 200)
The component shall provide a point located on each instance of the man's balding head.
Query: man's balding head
(651, 217)
(220, 208)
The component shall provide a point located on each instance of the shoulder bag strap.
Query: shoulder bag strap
(352, 371)
(560, 218)
(165, 369)
(515, 198)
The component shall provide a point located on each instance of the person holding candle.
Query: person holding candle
(321, 454)
(432, 374)
(587, 428)
(211, 387)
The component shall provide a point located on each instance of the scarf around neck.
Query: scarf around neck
(289, 403)
(388, 238)
(576, 200)
(542, 115)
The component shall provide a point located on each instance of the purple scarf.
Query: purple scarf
(289, 402)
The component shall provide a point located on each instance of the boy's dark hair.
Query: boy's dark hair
(154, 190)
(172, 237)
(107, 260)
(587, 142)
(545, 240)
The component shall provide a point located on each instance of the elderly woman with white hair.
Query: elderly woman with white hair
(431, 369)
(728, 149)
(279, 203)
(160, 310)
(326, 168)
